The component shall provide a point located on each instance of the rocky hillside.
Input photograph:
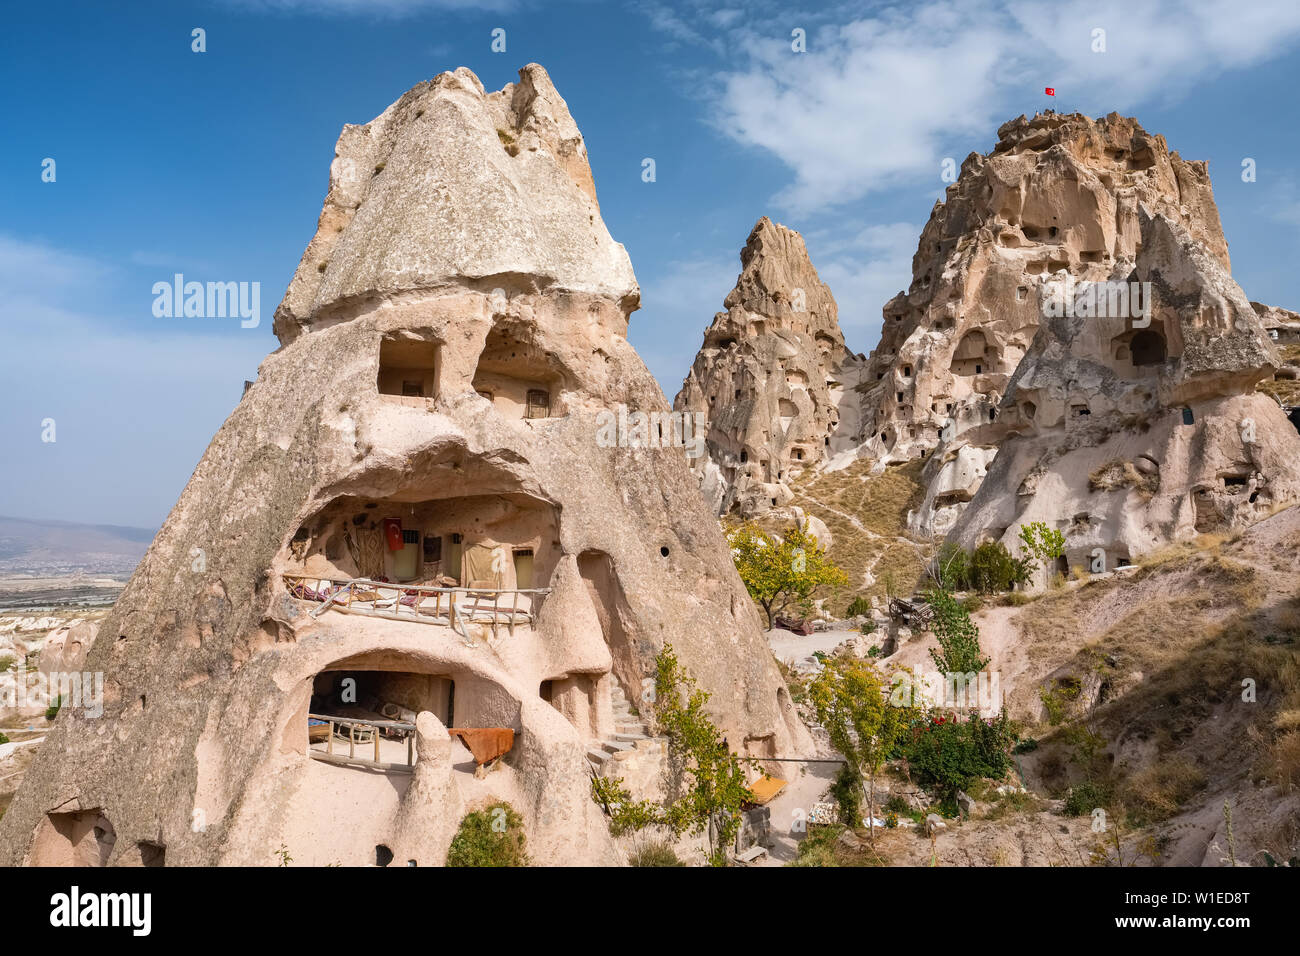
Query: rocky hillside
(772, 376)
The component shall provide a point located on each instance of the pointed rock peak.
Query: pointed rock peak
(778, 281)
(452, 186)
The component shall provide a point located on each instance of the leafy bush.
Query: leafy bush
(1085, 797)
(3, 739)
(994, 569)
(53, 710)
(859, 605)
(891, 821)
(6, 662)
(952, 567)
(897, 804)
(846, 791)
(949, 754)
(1026, 746)
(654, 853)
(490, 837)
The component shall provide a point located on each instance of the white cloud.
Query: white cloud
(686, 294)
(865, 270)
(877, 100)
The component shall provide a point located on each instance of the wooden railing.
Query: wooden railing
(405, 602)
(351, 724)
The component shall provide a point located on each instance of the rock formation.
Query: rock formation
(454, 328)
(772, 377)
(1077, 219)
(1058, 195)
(1128, 433)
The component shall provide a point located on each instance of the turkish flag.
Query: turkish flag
(1050, 91)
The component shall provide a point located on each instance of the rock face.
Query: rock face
(1058, 195)
(1062, 202)
(771, 377)
(454, 328)
(1127, 433)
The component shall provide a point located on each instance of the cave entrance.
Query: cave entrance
(408, 368)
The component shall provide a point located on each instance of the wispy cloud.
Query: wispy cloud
(391, 9)
(876, 100)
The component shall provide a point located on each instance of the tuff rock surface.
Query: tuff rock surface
(455, 325)
(771, 377)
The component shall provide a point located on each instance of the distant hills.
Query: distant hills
(61, 547)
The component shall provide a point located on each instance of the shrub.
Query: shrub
(949, 754)
(846, 791)
(859, 605)
(994, 569)
(654, 853)
(1085, 797)
(490, 837)
(952, 567)
(6, 662)
(1026, 746)
(1159, 791)
(897, 804)
(3, 739)
(53, 710)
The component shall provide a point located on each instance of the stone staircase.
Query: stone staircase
(629, 730)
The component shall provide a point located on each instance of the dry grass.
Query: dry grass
(876, 540)
(1115, 475)
(1161, 790)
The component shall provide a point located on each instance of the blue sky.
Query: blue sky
(215, 165)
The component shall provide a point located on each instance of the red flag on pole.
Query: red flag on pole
(1050, 91)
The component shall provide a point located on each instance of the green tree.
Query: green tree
(853, 705)
(1042, 544)
(710, 782)
(780, 573)
(959, 638)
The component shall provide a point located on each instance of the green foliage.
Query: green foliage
(490, 837)
(654, 853)
(1083, 798)
(1026, 746)
(959, 638)
(53, 710)
(823, 847)
(993, 569)
(1042, 544)
(950, 754)
(852, 703)
(896, 804)
(3, 739)
(891, 821)
(6, 662)
(713, 781)
(710, 781)
(282, 854)
(625, 814)
(781, 574)
(989, 569)
(859, 605)
(846, 791)
(952, 567)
